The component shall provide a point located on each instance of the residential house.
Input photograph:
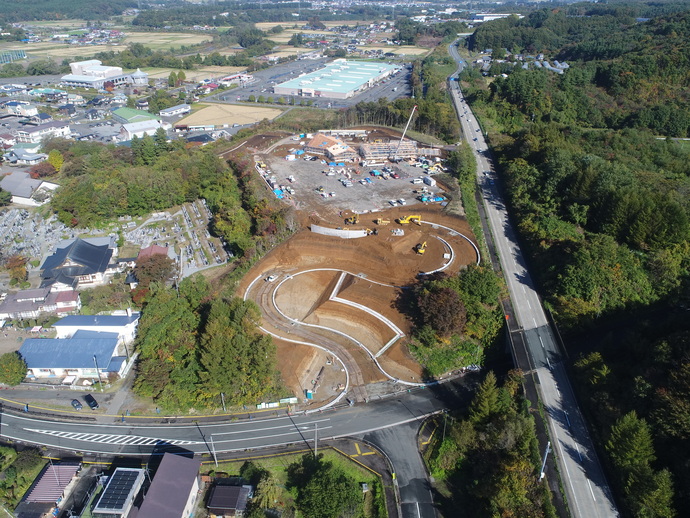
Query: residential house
(7, 140)
(22, 157)
(50, 358)
(117, 499)
(32, 303)
(122, 325)
(76, 264)
(51, 486)
(26, 190)
(21, 109)
(228, 501)
(36, 134)
(174, 490)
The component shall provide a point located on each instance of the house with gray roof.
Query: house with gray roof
(23, 157)
(174, 490)
(79, 264)
(26, 190)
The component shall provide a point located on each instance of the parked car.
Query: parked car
(91, 401)
(76, 404)
(271, 278)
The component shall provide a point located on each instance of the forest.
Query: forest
(488, 456)
(195, 345)
(598, 187)
(24, 10)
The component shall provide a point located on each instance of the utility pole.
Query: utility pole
(316, 440)
(543, 464)
(213, 451)
(445, 418)
(98, 372)
(222, 399)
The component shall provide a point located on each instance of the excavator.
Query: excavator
(352, 220)
(381, 221)
(420, 248)
(409, 219)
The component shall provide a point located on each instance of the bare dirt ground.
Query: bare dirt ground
(382, 258)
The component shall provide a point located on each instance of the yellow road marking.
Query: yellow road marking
(430, 437)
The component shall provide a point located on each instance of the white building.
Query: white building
(93, 74)
(124, 326)
(140, 129)
(36, 134)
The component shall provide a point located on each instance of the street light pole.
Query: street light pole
(213, 451)
(98, 372)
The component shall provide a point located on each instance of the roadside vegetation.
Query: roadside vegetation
(488, 457)
(456, 319)
(598, 190)
(300, 485)
(19, 469)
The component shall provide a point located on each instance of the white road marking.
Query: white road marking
(590, 490)
(542, 342)
(110, 439)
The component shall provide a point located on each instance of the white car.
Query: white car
(393, 202)
(402, 201)
(271, 278)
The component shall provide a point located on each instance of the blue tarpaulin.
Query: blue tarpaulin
(299, 152)
(332, 164)
(341, 164)
(278, 193)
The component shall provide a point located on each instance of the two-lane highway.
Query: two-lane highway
(136, 438)
(585, 485)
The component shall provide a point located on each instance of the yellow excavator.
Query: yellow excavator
(352, 220)
(382, 221)
(420, 248)
(410, 219)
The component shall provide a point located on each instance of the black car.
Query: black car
(91, 401)
(76, 404)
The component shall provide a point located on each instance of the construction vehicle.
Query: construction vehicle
(410, 219)
(352, 220)
(374, 232)
(420, 248)
(382, 221)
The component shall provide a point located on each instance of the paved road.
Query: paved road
(136, 439)
(584, 482)
(400, 445)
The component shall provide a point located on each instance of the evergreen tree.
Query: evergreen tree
(172, 79)
(486, 402)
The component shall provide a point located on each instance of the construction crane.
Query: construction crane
(381, 221)
(352, 220)
(410, 219)
(420, 248)
(394, 158)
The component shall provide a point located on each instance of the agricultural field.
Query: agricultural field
(60, 51)
(219, 114)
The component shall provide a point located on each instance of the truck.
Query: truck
(429, 181)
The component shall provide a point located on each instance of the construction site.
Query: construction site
(330, 295)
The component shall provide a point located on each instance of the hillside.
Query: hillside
(599, 190)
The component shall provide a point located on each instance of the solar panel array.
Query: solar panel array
(116, 494)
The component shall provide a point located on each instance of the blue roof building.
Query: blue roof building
(60, 357)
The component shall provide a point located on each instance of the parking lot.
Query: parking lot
(335, 189)
(392, 88)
